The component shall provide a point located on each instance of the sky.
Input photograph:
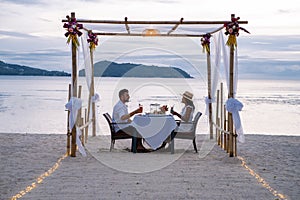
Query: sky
(31, 33)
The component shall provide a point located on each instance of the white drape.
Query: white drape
(78, 141)
(234, 106)
(73, 106)
(221, 52)
(88, 70)
(217, 64)
(87, 59)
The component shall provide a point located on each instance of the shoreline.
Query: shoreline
(200, 134)
(24, 157)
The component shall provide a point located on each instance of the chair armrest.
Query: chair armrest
(119, 123)
(186, 122)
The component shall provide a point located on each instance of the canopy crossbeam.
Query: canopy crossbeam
(151, 22)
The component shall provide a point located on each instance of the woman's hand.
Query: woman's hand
(175, 113)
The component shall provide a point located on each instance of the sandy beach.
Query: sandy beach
(211, 174)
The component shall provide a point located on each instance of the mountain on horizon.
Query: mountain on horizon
(112, 69)
(20, 70)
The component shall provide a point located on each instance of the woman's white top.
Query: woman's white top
(186, 127)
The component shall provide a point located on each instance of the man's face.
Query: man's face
(125, 97)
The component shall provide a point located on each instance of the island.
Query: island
(112, 69)
(20, 70)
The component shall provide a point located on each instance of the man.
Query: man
(122, 116)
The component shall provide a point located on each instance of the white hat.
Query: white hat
(188, 95)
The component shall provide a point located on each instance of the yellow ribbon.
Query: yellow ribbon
(206, 48)
(74, 40)
(231, 41)
(92, 46)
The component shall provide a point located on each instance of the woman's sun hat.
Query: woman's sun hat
(188, 95)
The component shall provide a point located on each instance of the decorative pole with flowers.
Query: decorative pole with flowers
(205, 42)
(93, 40)
(232, 29)
(72, 31)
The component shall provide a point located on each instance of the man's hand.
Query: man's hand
(139, 110)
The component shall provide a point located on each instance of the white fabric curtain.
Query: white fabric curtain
(88, 71)
(225, 55)
(74, 105)
(217, 63)
(87, 59)
(233, 105)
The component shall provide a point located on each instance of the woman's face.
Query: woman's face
(183, 100)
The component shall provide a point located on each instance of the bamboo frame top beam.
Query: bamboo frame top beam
(152, 22)
(141, 34)
(160, 35)
(175, 26)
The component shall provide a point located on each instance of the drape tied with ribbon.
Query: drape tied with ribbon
(207, 102)
(73, 106)
(234, 106)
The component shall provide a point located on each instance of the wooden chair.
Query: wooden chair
(119, 135)
(190, 135)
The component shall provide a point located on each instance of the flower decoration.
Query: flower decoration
(73, 30)
(232, 29)
(205, 41)
(93, 40)
(163, 109)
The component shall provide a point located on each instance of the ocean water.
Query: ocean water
(37, 104)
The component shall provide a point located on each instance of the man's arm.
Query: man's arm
(127, 116)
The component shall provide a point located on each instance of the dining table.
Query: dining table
(154, 128)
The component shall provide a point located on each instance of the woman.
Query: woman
(186, 115)
(187, 112)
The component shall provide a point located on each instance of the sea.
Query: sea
(36, 105)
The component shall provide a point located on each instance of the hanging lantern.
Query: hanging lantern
(151, 32)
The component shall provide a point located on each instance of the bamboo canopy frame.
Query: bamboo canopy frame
(230, 132)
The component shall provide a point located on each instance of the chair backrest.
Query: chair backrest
(195, 121)
(110, 122)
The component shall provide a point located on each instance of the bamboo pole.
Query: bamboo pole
(217, 115)
(68, 127)
(221, 114)
(86, 128)
(74, 90)
(79, 120)
(235, 145)
(83, 130)
(92, 94)
(82, 134)
(225, 128)
(209, 94)
(218, 132)
(230, 95)
(158, 35)
(175, 26)
(126, 26)
(151, 22)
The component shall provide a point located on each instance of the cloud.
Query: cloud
(24, 2)
(284, 11)
(16, 34)
(22, 42)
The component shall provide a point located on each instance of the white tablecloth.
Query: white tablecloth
(154, 128)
